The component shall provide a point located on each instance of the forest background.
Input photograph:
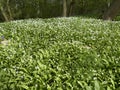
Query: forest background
(24, 9)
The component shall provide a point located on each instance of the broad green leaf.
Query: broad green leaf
(23, 86)
(97, 85)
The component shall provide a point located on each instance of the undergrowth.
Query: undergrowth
(60, 54)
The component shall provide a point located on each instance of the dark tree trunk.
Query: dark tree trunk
(112, 10)
(72, 2)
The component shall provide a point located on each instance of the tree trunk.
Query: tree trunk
(9, 10)
(4, 14)
(6, 11)
(64, 8)
(112, 10)
(72, 2)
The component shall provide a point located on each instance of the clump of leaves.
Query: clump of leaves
(60, 53)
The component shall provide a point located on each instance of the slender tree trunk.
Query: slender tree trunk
(64, 8)
(6, 11)
(112, 10)
(72, 2)
(9, 10)
(4, 14)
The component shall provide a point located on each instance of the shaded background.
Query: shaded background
(24, 9)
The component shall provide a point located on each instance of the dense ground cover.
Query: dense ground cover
(60, 54)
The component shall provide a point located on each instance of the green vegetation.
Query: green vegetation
(60, 54)
(25, 9)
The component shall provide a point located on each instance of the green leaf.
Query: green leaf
(97, 85)
(108, 88)
(88, 88)
(23, 86)
(48, 87)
